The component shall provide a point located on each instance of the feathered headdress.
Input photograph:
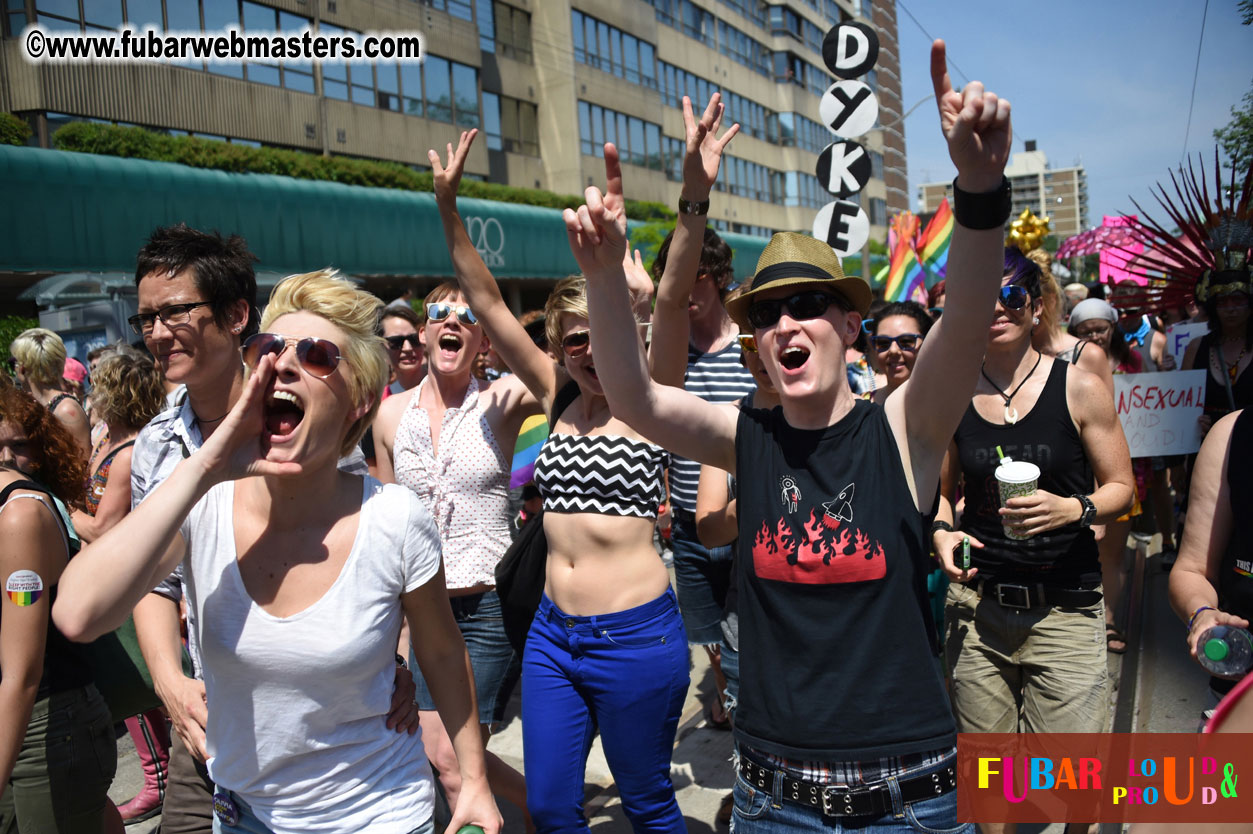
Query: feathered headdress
(1210, 253)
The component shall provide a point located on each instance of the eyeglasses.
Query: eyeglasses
(441, 311)
(747, 342)
(576, 343)
(908, 342)
(171, 316)
(398, 342)
(1014, 297)
(804, 305)
(318, 357)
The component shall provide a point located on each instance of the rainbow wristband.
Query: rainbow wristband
(1197, 613)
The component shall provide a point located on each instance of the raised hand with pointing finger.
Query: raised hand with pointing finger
(598, 229)
(975, 124)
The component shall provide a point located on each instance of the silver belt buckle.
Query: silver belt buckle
(1020, 596)
(837, 800)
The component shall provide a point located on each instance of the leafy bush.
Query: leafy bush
(13, 131)
(139, 143)
(10, 328)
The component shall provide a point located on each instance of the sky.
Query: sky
(1101, 83)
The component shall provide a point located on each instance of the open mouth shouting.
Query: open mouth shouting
(283, 413)
(793, 358)
(449, 345)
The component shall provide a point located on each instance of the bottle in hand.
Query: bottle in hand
(1225, 651)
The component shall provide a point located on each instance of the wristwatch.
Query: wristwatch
(1089, 510)
(689, 207)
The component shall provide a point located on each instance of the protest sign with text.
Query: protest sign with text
(1179, 335)
(1159, 411)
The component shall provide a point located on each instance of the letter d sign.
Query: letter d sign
(850, 49)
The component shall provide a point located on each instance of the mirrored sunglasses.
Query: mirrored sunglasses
(440, 311)
(1014, 297)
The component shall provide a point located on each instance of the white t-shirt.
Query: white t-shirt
(298, 705)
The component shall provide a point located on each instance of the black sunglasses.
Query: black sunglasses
(398, 342)
(576, 343)
(1014, 297)
(804, 305)
(318, 357)
(908, 342)
(171, 316)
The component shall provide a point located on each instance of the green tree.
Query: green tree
(1236, 139)
(10, 328)
(13, 131)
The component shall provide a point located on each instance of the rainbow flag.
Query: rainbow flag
(933, 245)
(531, 439)
(906, 277)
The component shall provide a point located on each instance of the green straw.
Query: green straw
(999, 453)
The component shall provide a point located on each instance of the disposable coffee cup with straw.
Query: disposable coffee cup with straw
(1015, 478)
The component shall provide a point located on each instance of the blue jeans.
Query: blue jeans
(625, 673)
(247, 822)
(766, 812)
(493, 660)
(701, 578)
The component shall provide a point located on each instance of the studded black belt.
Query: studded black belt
(872, 800)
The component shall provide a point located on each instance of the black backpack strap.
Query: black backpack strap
(52, 406)
(568, 394)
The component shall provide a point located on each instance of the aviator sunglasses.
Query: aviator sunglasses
(804, 305)
(440, 311)
(576, 343)
(1014, 297)
(318, 357)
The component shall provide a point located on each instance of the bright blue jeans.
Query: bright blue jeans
(625, 674)
(767, 812)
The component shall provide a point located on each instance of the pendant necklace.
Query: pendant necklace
(1234, 367)
(1011, 414)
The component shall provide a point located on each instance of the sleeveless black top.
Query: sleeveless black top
(1216, 403)
(837, 653)
(1235, 574)
(1046, 436)
(65, 664)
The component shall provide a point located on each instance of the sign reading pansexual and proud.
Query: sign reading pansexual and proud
(848, 108)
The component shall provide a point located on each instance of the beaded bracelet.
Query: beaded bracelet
(1197, 613)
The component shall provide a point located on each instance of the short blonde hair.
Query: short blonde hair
(127, 388)
(356, 312)
(568, 297)
(41, 353)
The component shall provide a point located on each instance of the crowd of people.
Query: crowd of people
(298, 514)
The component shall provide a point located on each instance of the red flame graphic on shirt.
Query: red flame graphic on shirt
(825, 551)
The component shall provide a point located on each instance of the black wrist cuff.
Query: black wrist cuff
(689, 207)
(941, 525)
(982, 211)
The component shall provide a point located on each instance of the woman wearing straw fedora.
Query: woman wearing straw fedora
(832, 491)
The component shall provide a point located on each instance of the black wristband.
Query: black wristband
(941, 525)
(989, 210)
(689, 207)
(400, 661)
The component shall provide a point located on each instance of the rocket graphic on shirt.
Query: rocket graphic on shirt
(827, 549)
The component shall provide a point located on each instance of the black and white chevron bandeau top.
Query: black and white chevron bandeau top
(600, 473)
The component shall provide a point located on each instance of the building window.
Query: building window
(635, 138)
(878, 211)
(608, 48)
(741, 48)
(511, 125)
(754, 10)
(457, 8)
(513, 32)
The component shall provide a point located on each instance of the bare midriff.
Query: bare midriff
(601, 564)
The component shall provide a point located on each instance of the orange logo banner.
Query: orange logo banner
(1104, 777)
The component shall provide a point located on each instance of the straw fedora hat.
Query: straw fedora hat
(793, 258)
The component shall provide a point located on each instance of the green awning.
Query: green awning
(74, 212)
